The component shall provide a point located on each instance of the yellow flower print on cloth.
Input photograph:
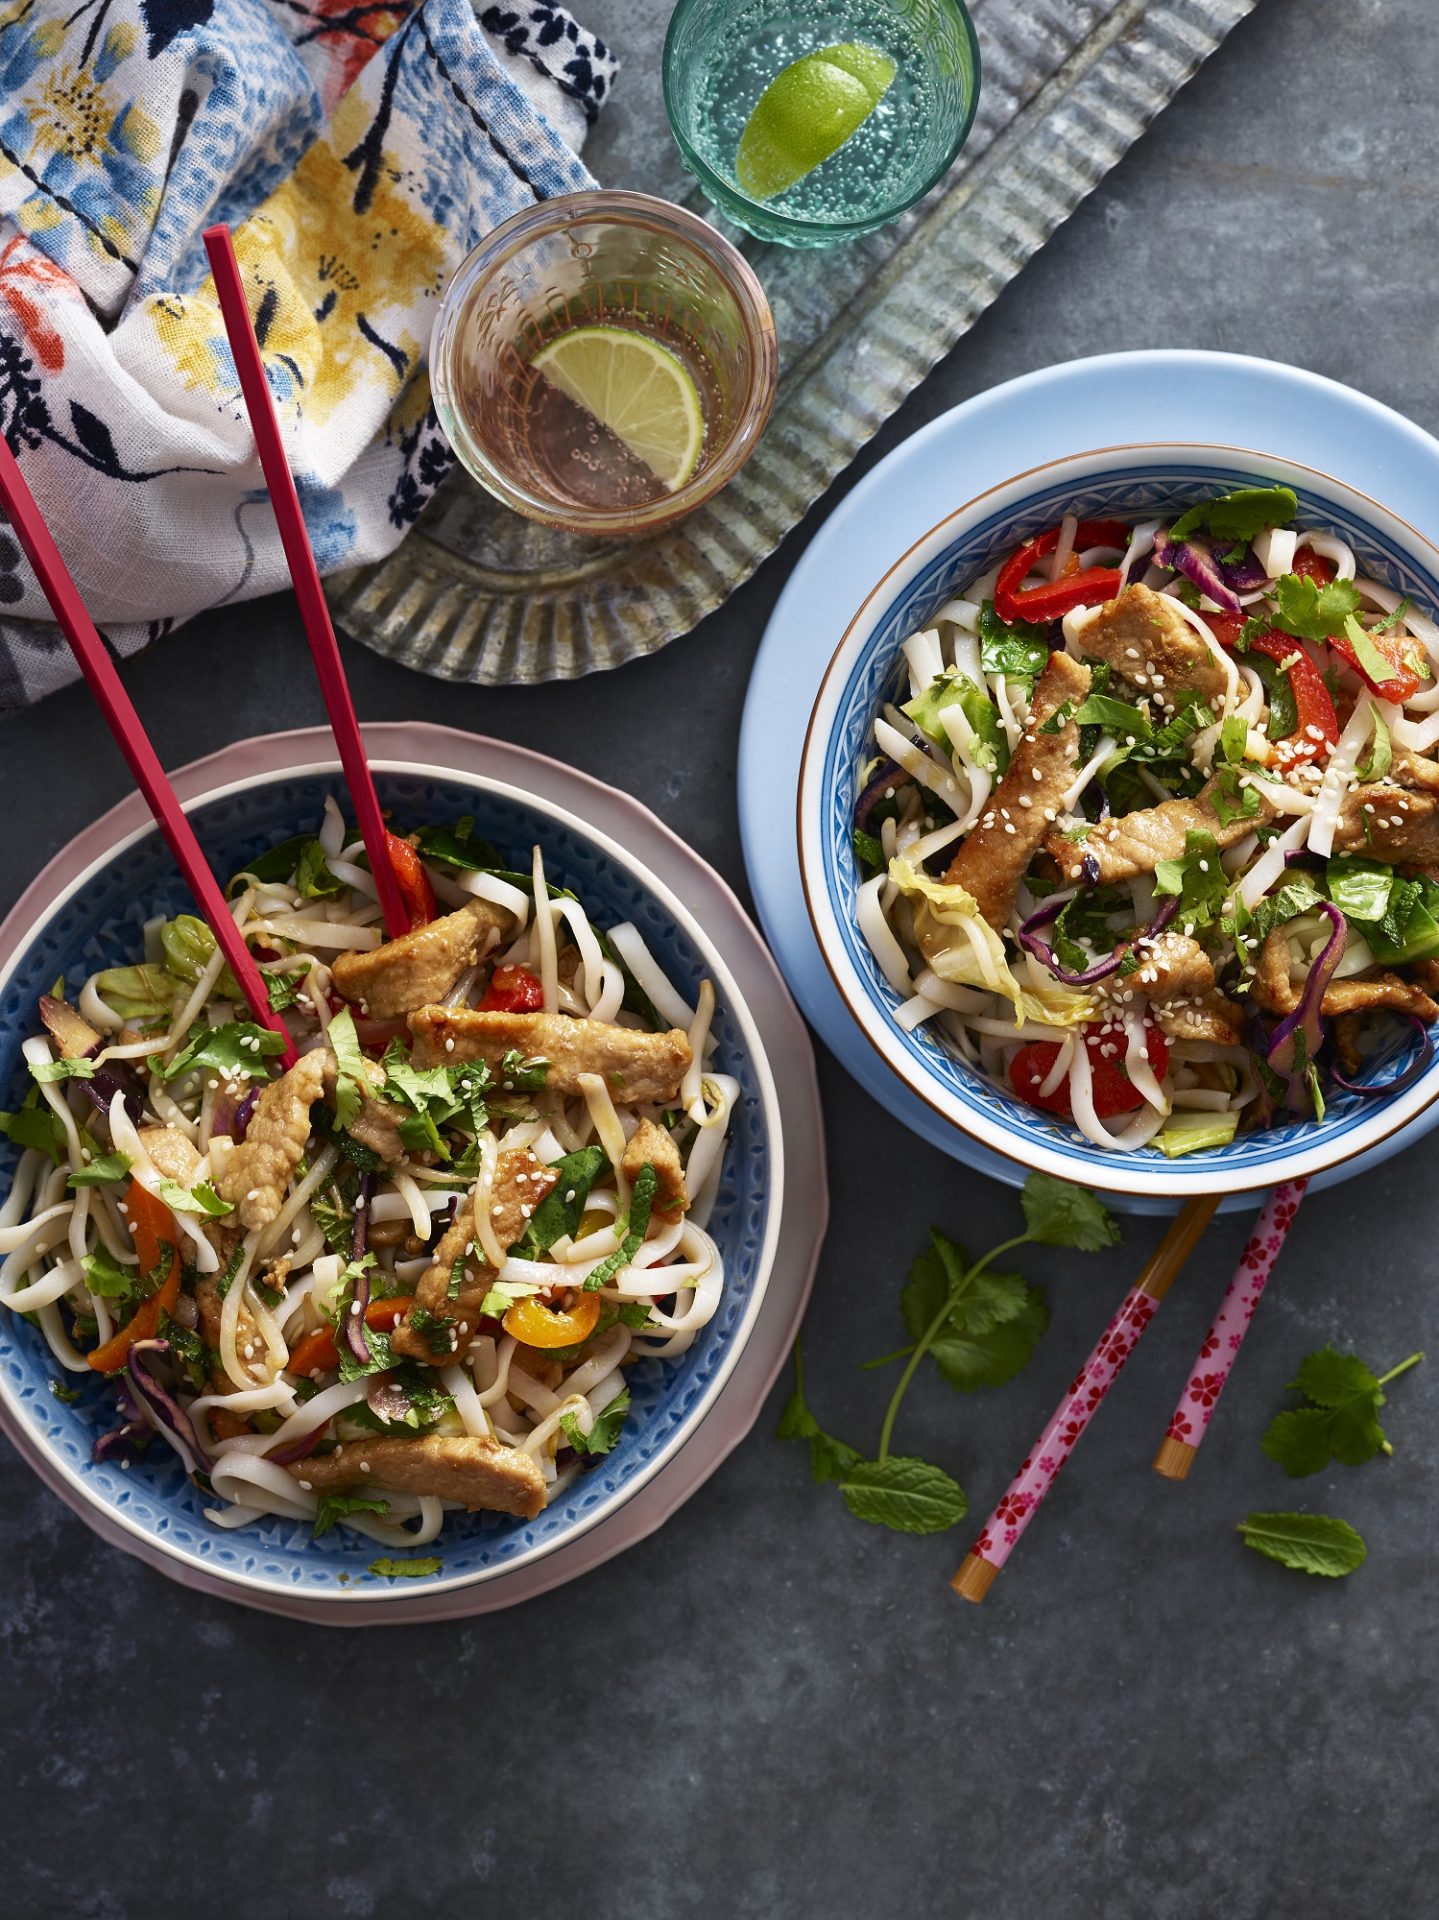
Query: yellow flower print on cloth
(358, 157)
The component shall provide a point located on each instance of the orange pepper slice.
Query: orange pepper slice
(152, 1228)
(317, 1351)
(535, 1325)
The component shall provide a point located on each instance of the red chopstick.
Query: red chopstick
(130, 736)
(324, 650)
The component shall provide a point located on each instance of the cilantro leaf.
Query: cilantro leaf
(334, 1506)
(994, 1322)
(1307, 1542)
(1059, 1214)
(201, 1198)
(69, 1395)
(1198, 879)
(906, 1495)
(1016, 648)
(1342, 1420)
(103, 1171)
(36, 1124)
(1239, 516)
(352, 1082)
(521, 1072)
(1312, 611)
(48, 1071)
(238, 1048)
(389, 1568)
(107, 1278)
(563, 1207)
(606, 1429)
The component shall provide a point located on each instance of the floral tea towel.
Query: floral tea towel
(359, 153)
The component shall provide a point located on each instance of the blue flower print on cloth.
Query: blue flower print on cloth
(358, 154)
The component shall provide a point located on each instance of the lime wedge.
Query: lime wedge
(807, 112)
(638, 389)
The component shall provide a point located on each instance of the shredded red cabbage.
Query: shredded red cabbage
(1401, 1080)
(887, 778)
(244, 1113)
(1197, 561)
(161, 1408)
(1294, 1044)
(1043, 951)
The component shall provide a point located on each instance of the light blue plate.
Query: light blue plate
(1115, 399)
(99, 921)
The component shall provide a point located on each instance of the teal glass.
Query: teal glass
(720, 55)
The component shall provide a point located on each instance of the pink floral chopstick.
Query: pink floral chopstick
(1001, 1532)
(1190, 1421)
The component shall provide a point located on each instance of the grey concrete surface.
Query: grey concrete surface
(769, 1709)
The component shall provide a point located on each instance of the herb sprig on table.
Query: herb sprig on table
(979, 1326)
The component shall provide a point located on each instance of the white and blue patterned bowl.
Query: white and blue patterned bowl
(868, 668)
(95, 918)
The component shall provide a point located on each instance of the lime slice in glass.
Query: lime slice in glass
(807, 112)
(638, 389)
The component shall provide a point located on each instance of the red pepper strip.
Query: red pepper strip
(412, 880)
(152, 1230)
(1316, 725)
(1054, 600)
(1401, 653)
(317, 1352)
(513, 990)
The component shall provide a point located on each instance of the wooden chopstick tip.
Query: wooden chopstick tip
(975, 1578)
(1174, 1458)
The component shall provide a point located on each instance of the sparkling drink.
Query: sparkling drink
(722, 55)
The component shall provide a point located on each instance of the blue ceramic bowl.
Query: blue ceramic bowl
(95, 918)
(868, 669)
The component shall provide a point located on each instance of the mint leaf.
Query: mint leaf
(868, 850)
(352, 1082)
(1239, 516)
(641, 1200)
(334, 1506)
(103, 1171)
(1307, 1542)
(1115, 716)
(563, 1207)
(907, 1495)
(1059, 1214)
(390, 1569)
(1380, 756)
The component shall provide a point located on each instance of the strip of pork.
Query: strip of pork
(640, 1069)
(1135, 843)
(995, 855)
(1148, 642)
(478, 1474)
(422, 966)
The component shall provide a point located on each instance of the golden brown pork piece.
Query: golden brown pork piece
(519, 1186)
(421, 966)
(1277, 990)
(638, 1068)
(1177, 975)
(478, 1474)
(1147, 641)
(651, 1145)
(256, 1174)
(995, 854)
(1385, 821)
(173, 1152)
(1135, 842)
(376, 1125)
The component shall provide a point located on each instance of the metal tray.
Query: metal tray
(476, 593)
